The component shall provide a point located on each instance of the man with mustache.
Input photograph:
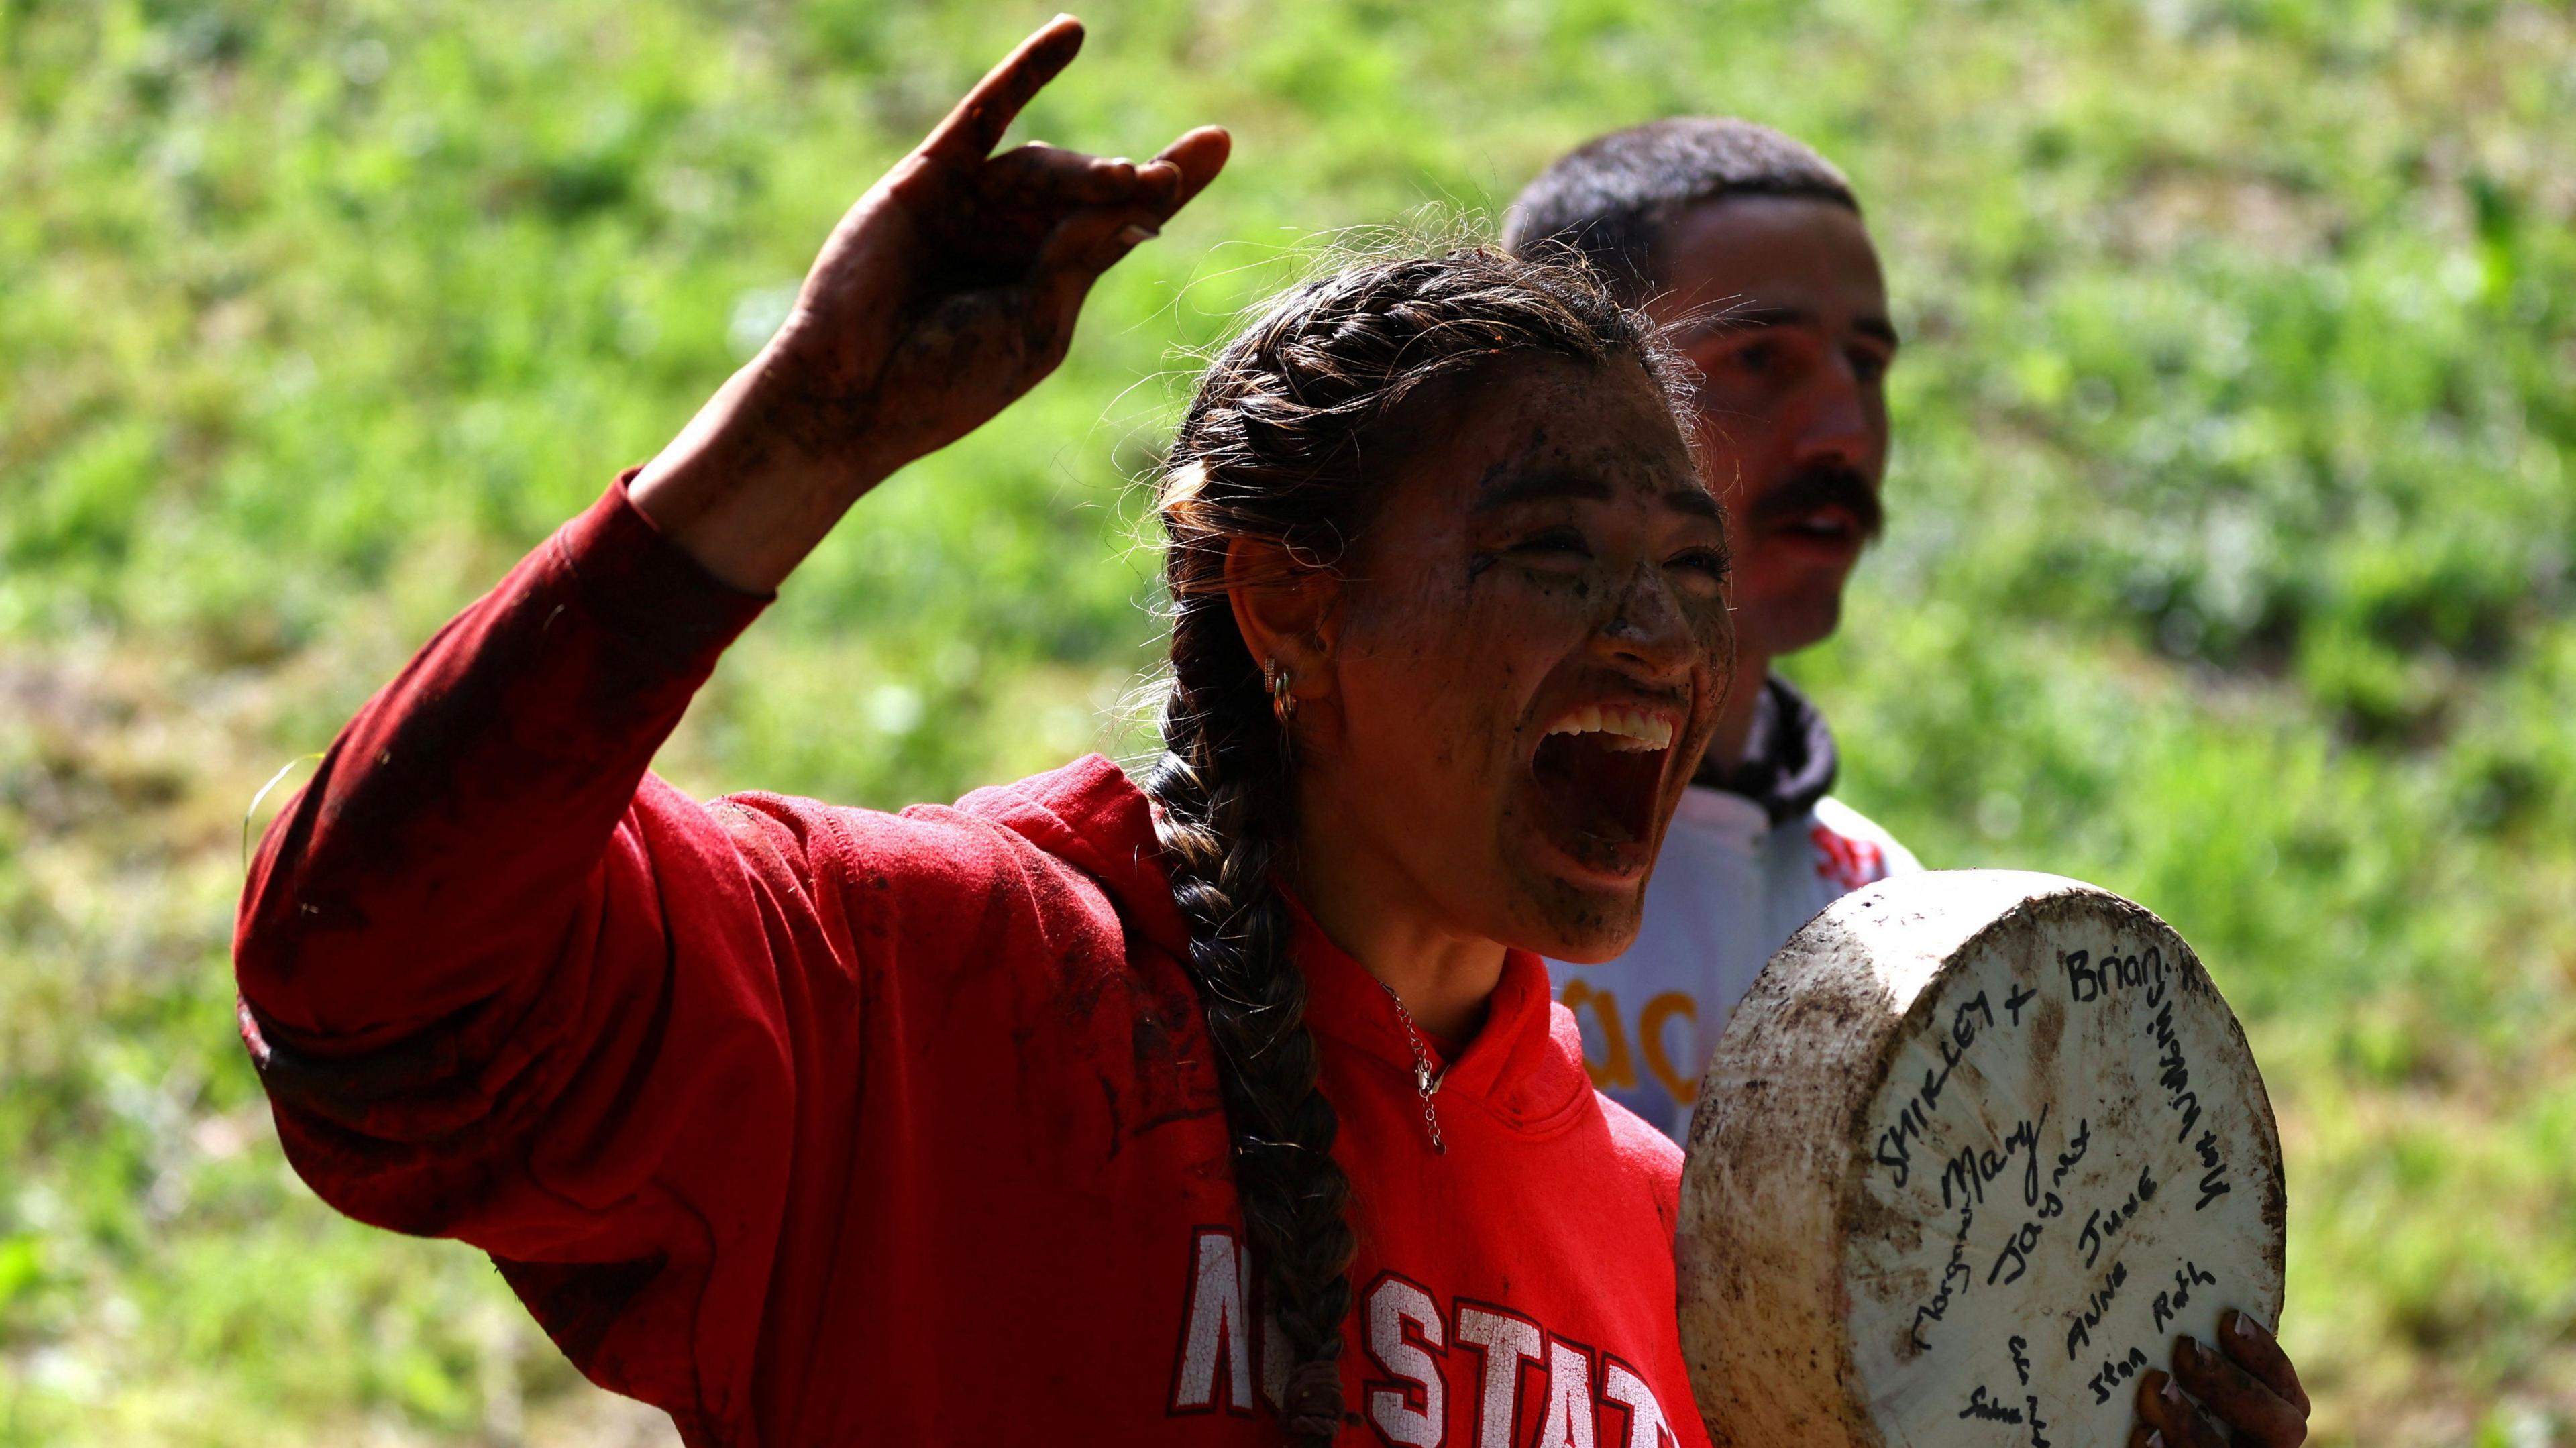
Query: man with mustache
(1751, 246)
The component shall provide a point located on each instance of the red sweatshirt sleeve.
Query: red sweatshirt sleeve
(499, 980)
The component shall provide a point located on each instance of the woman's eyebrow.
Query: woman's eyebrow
(1503, 492)
(1698, 501)
(1548, 483)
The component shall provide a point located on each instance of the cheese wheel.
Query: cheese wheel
(1975, 1149)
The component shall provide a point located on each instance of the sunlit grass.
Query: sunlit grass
(2230, 564)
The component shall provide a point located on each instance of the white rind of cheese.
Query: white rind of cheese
(1975, 1149)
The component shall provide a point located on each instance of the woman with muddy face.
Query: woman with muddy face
(1202, 1111)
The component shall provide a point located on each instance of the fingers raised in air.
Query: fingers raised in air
(1088, 240)
(1039, 212)
(975, 125)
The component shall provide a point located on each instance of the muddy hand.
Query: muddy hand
(2245, 1394)
(944, 293)
(952, 287)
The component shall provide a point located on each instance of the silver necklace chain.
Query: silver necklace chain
(1424, 1082)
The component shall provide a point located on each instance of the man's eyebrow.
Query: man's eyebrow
(1754, 319)
(1525, 487)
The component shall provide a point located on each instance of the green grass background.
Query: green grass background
(2230, 564)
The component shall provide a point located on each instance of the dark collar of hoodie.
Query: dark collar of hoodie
(1789, 758)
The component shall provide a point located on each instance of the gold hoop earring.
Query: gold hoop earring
(1283, 702)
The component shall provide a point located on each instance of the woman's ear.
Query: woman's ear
(1284, 608)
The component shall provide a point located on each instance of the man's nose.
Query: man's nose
(1833, 428)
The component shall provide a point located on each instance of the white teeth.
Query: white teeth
(1629, 729)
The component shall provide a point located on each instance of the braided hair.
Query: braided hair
(1272, 448)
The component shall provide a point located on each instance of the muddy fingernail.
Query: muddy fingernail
(2171, 1395)
(2155, 1438)
(1137, 235)
(2247, 1326)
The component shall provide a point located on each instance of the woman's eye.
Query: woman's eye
(1558, 547)
(1868, 366)
(1756, 357)
(1705, 569)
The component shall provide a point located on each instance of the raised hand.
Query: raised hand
(945, 292)
(2246, 1396)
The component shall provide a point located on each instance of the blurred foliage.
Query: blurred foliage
(2230, 564)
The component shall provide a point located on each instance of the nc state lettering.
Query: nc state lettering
(1412, 1345)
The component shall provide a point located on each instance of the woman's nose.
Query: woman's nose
(1648, 632)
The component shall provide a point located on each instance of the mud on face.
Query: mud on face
(1527, 653)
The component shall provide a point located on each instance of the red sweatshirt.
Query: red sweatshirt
(823, 1126)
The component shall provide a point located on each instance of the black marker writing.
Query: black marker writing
(2017, 1252)
(2074, 1152)
(2087, 982)
(2114, 1373)
(2169, 1305)
(2015, 1000)
(2175, 1074)
(1965, 1176)
(2213, 1175)
(2099, 1227)
(1954, 1275)
(1981, 1408)
(2079, 1333)
(1914, 1118)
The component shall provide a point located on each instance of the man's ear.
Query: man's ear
(1284, 608)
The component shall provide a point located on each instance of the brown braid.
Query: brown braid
(1271, 449)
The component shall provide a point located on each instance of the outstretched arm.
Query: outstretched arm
(502, 984)
(457, 818)
(945, 292)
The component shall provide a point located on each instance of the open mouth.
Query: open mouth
(1825, 525)
(1832, 533)
(1600, 772)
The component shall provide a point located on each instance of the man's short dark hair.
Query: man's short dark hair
(1610, 198)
